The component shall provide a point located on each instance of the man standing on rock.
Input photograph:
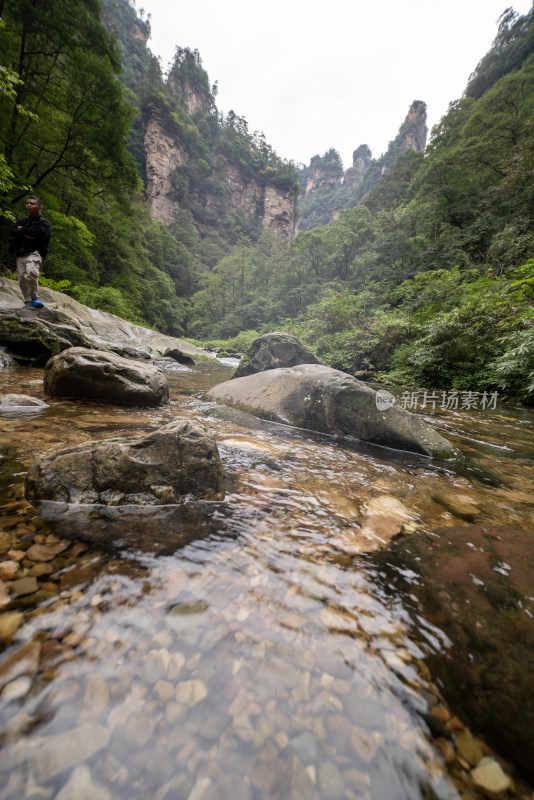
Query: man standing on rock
(29, 240)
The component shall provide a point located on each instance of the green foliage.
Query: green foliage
(7, 184)
(50, 283)
(72, 256)
(350, 331)
(512, 46)
(188, 75)
(65, 64)
(469, 331)
(236, 346)
(9, 83)
(105, 298)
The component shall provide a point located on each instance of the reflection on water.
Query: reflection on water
(237, 649)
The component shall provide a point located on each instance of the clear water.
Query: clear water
(242, 649)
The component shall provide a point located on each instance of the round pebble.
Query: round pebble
(17, 688)
(24, 586)
(40, 552)
(489, 777)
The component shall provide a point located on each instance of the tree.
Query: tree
(66, 65)
(347, 236)
(512, 46)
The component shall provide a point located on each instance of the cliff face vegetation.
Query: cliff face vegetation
(199, 160)
(191, 157)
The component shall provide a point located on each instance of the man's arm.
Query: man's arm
(34, 229)
(15, 229)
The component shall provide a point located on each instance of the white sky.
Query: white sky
(338, 73)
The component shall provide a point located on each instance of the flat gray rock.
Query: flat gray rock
(34, 335)
(322, 399)
(21, 402)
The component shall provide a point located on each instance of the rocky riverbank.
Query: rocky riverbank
(32, 336)
(246, 645)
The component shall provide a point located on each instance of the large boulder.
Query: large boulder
(33, 337)
(179, 461)
(85, 374)
(323, 399)
(178, 355)
(75, 324)
(474, 584)
(274, 351)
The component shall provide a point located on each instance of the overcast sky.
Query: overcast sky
(338, 73)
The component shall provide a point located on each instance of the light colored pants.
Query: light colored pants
(28, 271)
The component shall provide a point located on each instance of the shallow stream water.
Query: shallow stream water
(241, 649)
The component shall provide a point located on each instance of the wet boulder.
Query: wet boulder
(274, 351)
(178, 355)
(474, 584)
(21, 404)
(84, 374)
(323, 399)
(6, 361)
(175, 463)
(76, 325)
(32, 337)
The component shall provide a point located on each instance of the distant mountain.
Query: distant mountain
(326, 188)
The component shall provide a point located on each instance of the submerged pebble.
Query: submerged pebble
(490, 777)
(17, 688)
(257, 662)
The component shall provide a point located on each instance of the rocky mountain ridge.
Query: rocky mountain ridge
(271, 205)
(327, 188)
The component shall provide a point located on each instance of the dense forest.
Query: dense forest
(424, 277)
(76, 81)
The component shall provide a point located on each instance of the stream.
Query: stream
(245, 649)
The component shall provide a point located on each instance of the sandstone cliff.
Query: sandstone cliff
(225, 182)
(279, 210)
(361, 161)
(324, 172)
(265, 201)
(413, 131)
(199, 161)
(163, 153)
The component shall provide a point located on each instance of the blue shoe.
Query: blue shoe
(36, 303)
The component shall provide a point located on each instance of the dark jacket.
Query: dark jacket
(33, 235)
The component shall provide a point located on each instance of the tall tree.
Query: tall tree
(66, 65)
